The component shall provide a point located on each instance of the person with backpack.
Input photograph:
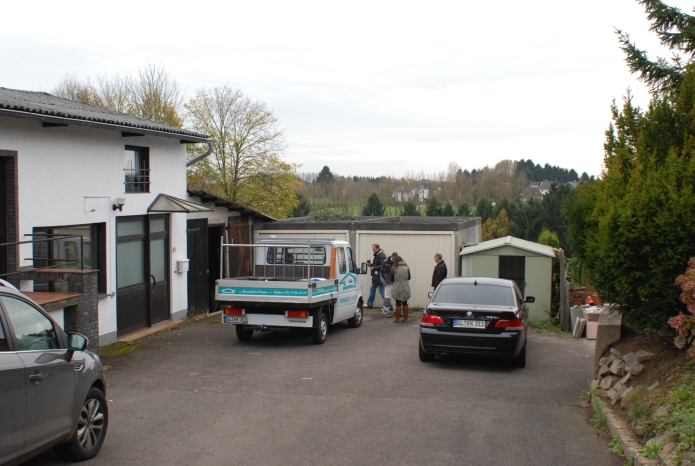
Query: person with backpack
(386, 280)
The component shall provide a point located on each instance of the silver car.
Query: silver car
(52, 390)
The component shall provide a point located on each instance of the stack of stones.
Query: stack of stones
(615, 372)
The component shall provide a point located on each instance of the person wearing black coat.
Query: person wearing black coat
(440, 271)
(379, 258)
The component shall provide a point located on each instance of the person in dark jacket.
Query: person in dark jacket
(386, 281)
(379, 258)
(440, 271)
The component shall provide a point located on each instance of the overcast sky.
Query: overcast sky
(367, 88)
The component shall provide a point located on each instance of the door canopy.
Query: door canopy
(166, 203)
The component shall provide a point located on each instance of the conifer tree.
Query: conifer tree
(410, 209)
(373, 207)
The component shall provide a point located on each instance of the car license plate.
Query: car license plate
(235, 319)
(470, 323)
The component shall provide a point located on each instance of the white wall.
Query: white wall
(58, 167)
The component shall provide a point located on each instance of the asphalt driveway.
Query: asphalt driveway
(198, 396)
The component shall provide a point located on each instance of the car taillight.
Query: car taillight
(297, 314)
(514, 324)
(232, 311)
(429, 320)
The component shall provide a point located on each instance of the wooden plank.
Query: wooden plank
(42, 297)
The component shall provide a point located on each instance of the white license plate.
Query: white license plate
(470, 323)
(235, 319)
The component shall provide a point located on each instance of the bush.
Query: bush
(549, 238)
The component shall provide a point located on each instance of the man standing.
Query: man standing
(440, 272)
(379, 258)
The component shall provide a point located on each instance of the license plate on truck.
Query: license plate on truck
(469, 323)
(235, 319)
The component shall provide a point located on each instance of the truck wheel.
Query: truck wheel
(356, 320)
(318, 334)
(242, 334)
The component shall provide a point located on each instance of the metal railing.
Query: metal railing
(137, 180)
(53, 237)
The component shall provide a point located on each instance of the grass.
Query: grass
(548, 325)
(616, 446)
(116, 349)
(652, 451)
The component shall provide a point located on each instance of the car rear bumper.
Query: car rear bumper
(507, 344)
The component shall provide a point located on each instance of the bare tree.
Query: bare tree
(156, 96)
(244, 132)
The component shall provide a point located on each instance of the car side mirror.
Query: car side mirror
(363, 268)
(530, 299)
(76, 342)
(430, 294)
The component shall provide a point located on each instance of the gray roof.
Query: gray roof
(529, 246)
(56, 110)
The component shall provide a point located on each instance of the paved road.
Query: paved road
(198, 396)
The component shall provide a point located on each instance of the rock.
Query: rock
(618, 393)
(659, 439)
(630, 358)
(622, 381)
(603, 370)
(608, 382)
(666, 451)
(616, 353)
(653, 386)
(600, 392)
(635, 368)
(618, 367)
(611, 393)
(595, 384)
(639, 430)
(602, 361)
(644, 356)
(625, 397)
(661, 411)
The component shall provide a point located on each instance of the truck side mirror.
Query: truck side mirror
(363, 268)
(430, 294)
(530, 299)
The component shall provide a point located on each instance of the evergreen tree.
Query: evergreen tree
(549, 238)
(504, 204)
(373, 207)
(527, 218)
(484, 209)
(463, 210)
(304, 207)
(552, 217)
(325, 176)
(499, 227)
(410, 209)
(448, 210)
(434, 207)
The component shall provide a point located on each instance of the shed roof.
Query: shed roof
(530, 246)
(217, 201)
(58, 111)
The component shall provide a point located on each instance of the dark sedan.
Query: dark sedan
(51, 388)
(477, 316)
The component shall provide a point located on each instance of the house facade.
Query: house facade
(93, 188)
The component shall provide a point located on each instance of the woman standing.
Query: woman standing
(400, 290)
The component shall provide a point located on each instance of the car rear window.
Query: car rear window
(468, 293)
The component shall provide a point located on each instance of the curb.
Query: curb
(619, 429)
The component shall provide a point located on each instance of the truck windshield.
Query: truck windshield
(468, 293)
(296, 256)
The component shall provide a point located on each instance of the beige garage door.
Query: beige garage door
(417, 249)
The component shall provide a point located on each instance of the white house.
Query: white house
(114, 180)
(421, 194)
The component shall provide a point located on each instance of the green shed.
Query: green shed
(529, 264)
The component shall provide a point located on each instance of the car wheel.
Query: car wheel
(356, 320)
(242, 334)
(424, 356)
(89, 434)
(318, 334)
(520, 359)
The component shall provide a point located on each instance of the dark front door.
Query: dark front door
(142, 269)
(239, 258)
(514, 268)
(215, 235)
(197, 236)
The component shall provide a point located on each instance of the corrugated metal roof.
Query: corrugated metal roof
(58, 110)
(231, 206)
(530, 246)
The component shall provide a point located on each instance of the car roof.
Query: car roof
(479, 280)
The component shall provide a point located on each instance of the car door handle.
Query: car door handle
(36, 378)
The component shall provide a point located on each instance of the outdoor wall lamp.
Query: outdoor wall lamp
(120, 202)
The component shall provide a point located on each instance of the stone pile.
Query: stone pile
(615, 370)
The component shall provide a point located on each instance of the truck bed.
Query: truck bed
(272, 290)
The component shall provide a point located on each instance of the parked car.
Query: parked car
(478, 316)
(52, 389)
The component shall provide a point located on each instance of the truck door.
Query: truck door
(348, 285)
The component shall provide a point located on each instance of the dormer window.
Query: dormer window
(137, 169)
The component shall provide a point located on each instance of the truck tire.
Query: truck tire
(242, 334)
(356, 320)
(318, 334)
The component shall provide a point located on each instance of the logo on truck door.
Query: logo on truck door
(349, 281)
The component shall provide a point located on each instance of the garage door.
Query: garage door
(417, 249)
